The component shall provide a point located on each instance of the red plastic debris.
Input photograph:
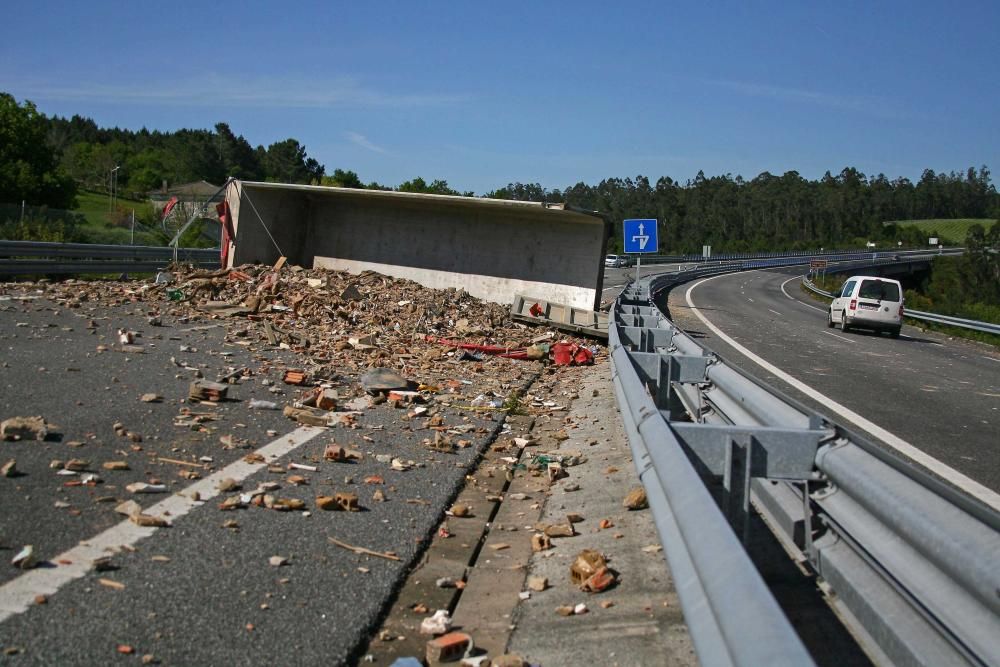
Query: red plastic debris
(571, 354)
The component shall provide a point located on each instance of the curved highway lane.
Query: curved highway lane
(933, 399)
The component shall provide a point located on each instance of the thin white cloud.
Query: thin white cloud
(215, 90)
(872, 105)
(362, 140)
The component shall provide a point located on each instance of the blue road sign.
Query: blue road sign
(640, 236)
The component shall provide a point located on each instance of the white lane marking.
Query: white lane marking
(775, 312)
(830, 333)
(17, 595)
(970, 486)
(750, 300)
(801, 303)
(991, 358)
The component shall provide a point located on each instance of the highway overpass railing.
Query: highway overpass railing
(909, 561)
(37, 258)
(802, 255)
(976, 325)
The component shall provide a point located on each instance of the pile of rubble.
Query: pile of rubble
(351, 341)
(338, 323)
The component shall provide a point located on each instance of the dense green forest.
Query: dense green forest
(46, 160)
(966, 286)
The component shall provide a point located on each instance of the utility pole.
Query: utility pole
(133, 228)
(114, 187)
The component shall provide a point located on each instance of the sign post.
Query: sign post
(817, 265)
(640, 237)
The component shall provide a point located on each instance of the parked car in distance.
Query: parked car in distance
(868, 302)
(615, 261)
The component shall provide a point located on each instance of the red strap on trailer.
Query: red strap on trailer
(495, 350)
(228, 233)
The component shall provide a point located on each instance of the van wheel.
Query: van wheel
(894, 333)
(829, 319)
(843, 322)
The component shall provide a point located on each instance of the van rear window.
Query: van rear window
(880, 290)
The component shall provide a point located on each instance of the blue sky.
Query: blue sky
(483, 94)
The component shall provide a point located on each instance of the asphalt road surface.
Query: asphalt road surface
(202, 591)
(934, 399)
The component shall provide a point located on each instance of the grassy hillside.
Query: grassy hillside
(951, 231)
(94, 207)
(103, 227)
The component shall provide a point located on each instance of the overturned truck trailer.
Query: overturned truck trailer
(493, 249)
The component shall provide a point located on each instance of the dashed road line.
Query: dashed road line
(17, 595)
(830, 333)
(775, 312)
(970, 486)
(801, 303)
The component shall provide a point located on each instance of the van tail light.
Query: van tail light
(854, 304)
(901, 310)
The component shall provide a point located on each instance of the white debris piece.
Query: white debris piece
(143, 487)
(438, 624)
(25, 558)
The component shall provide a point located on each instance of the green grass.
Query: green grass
(94, 208)
(99, 227)
(951, 231)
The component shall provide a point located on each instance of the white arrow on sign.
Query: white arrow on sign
(642, 238)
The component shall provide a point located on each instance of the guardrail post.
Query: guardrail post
(736, 482)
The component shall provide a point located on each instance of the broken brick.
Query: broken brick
(585, 565)
(295, 377)
(540, 542)
(636, 499)
(335, 452)
(347, 501)
(327, 503)
(537, 583)
(448, 648)
(599, 581)
(23, 428)
(203, 390)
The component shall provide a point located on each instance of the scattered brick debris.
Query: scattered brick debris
(24, 428)
(636, 499)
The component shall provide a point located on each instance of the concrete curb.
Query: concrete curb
(490, 552)
(639, 620)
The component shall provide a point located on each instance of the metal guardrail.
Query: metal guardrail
(976, 325)
(834, 255)
(33, 257)
(911, 562)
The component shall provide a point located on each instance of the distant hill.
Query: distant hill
(952, 231)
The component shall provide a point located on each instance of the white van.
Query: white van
(868, 302)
